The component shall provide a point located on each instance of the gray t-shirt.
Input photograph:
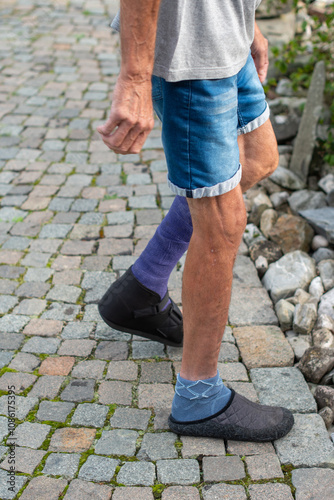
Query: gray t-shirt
(202, 39)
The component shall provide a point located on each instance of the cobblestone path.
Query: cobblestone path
(91, 404)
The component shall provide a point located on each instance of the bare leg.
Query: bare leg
(258, 155)
(218, 225)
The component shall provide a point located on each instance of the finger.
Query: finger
(109, 126)
(116, 139)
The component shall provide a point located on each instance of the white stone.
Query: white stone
(304, 318)
(267, 221)
(293, 270)
(262, 199)
(252, 233)
(278, 199)
(316, 287)
(284, 311)
(326, 303)
(326, 270)
(323, 338)
(324, 321)
(327, 183)
(319, 242)
(299, 345)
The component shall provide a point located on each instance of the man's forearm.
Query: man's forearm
(138, 31)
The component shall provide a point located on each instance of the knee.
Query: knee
(220, 221)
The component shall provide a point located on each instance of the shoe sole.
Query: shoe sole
(150, 336)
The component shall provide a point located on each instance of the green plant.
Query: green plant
(320, 47)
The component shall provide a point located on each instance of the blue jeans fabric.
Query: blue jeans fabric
(201, 121)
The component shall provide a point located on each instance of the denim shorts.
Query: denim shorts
(201, 121)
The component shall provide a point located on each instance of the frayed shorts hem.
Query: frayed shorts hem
(208, 191)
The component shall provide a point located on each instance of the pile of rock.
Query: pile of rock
(290, 238)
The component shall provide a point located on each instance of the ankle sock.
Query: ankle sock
(165, 249)
(194, 400)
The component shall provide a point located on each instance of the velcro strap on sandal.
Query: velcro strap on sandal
(152, 310)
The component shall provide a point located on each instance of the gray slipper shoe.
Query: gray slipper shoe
(240, 420)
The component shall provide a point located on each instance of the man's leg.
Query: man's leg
(218, 226)
(202, 405)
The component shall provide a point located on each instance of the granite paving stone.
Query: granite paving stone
(61, 464)
(26, 460)
(180, 493)
(32, 289)
(22, 405)
(31, 434)
(117, 442)
(130, 418)
(47, 345)
(43, 327)
(307, 444)
(158, 446)
(56, 411)
(84, 490)
(10, 271)
(77, 247)
(43, 486)
(76, 347)
(270, 490)
(7, 286)
(30, 307)
(251, 306)
(228, 353)
(72, 440)
(105, 332)
(233, 372)
(89, 369)
(137, 473)
(115, 351)
(36, 259)
(10, 340)
(245, 389)
(181, 472)
(78, 390)
(194, 446)
(157, 396)
(313, 483)
(97, 468)
(65, 293)
(225, 492)
(268, 348)
(90, 414)
(7, 302)
(122, 370)
(4, 430)
(265, 466)
(244, 448)
(61, 312)
(156, 372)
(47, 386)
(149, 349)
(133, 493)
(223, 469)
(38, 274)
(5, 358)
(19, 380)
(283, 387)
(115, 393)
(18, 483)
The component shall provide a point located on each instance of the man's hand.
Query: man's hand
(259, 51)
(131, 116)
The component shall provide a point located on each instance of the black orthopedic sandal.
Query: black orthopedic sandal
(130, 307)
